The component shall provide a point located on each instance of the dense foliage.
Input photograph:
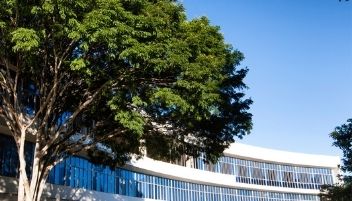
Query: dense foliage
(342, 136)
(113, 77)
(337, 192)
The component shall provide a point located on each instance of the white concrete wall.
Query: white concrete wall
(158, 168)
(162, 169)
(283, 157)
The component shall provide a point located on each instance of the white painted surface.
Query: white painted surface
(158, 168)
(284, 157)
(68, 193)
(162, 169)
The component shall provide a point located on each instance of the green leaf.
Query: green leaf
(2, 25)
(25, 40)
(171, 99)
(137, 101)
(131, 120)
(48, 7)
(77, 64)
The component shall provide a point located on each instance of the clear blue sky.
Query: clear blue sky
(299, 53)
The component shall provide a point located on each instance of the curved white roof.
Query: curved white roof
(158, 168)
(283, 157)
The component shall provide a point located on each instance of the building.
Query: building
(245, 173)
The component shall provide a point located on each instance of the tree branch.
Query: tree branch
(11, 112)
(73, 148)
(7, 64)
(65, 54)
(70, 120)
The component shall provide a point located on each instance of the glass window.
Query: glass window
(80, 173)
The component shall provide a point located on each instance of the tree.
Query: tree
(109, 78)
(337, 192)
(342, 139)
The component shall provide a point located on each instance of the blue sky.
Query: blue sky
(299, 53)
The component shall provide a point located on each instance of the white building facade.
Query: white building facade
(244, 173)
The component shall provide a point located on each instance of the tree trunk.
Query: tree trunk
(20, 195)
(36, 188)
(41, 185)
(31, 189)
(23, 187)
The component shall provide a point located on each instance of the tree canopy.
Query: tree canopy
(112, 77)
(342, 136)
